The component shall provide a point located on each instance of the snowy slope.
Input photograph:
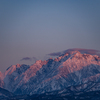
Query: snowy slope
(70, 68)
(4, 94)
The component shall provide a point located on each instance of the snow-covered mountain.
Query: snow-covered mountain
(69, 69)
(5, 95)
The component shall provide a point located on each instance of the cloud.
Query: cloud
(87, 51)
(26, 58)
(29, 59)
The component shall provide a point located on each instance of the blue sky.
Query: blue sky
(34, 28)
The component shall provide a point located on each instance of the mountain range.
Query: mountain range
(73, 72)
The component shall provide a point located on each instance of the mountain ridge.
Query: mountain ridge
(70, 68)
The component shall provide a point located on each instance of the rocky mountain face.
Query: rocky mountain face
(70, 93)
(69, 69)
(5, 95)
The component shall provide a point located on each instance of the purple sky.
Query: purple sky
(30, 29)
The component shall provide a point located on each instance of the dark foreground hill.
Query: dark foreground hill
(69, 93)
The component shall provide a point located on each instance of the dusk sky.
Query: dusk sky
(31, 29)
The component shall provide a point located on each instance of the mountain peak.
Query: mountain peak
(70, 51)
(70, 68)
(38, 61)
(74, 52)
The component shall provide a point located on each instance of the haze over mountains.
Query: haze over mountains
(74, 70)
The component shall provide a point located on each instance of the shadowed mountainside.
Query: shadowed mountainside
(70, 68)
